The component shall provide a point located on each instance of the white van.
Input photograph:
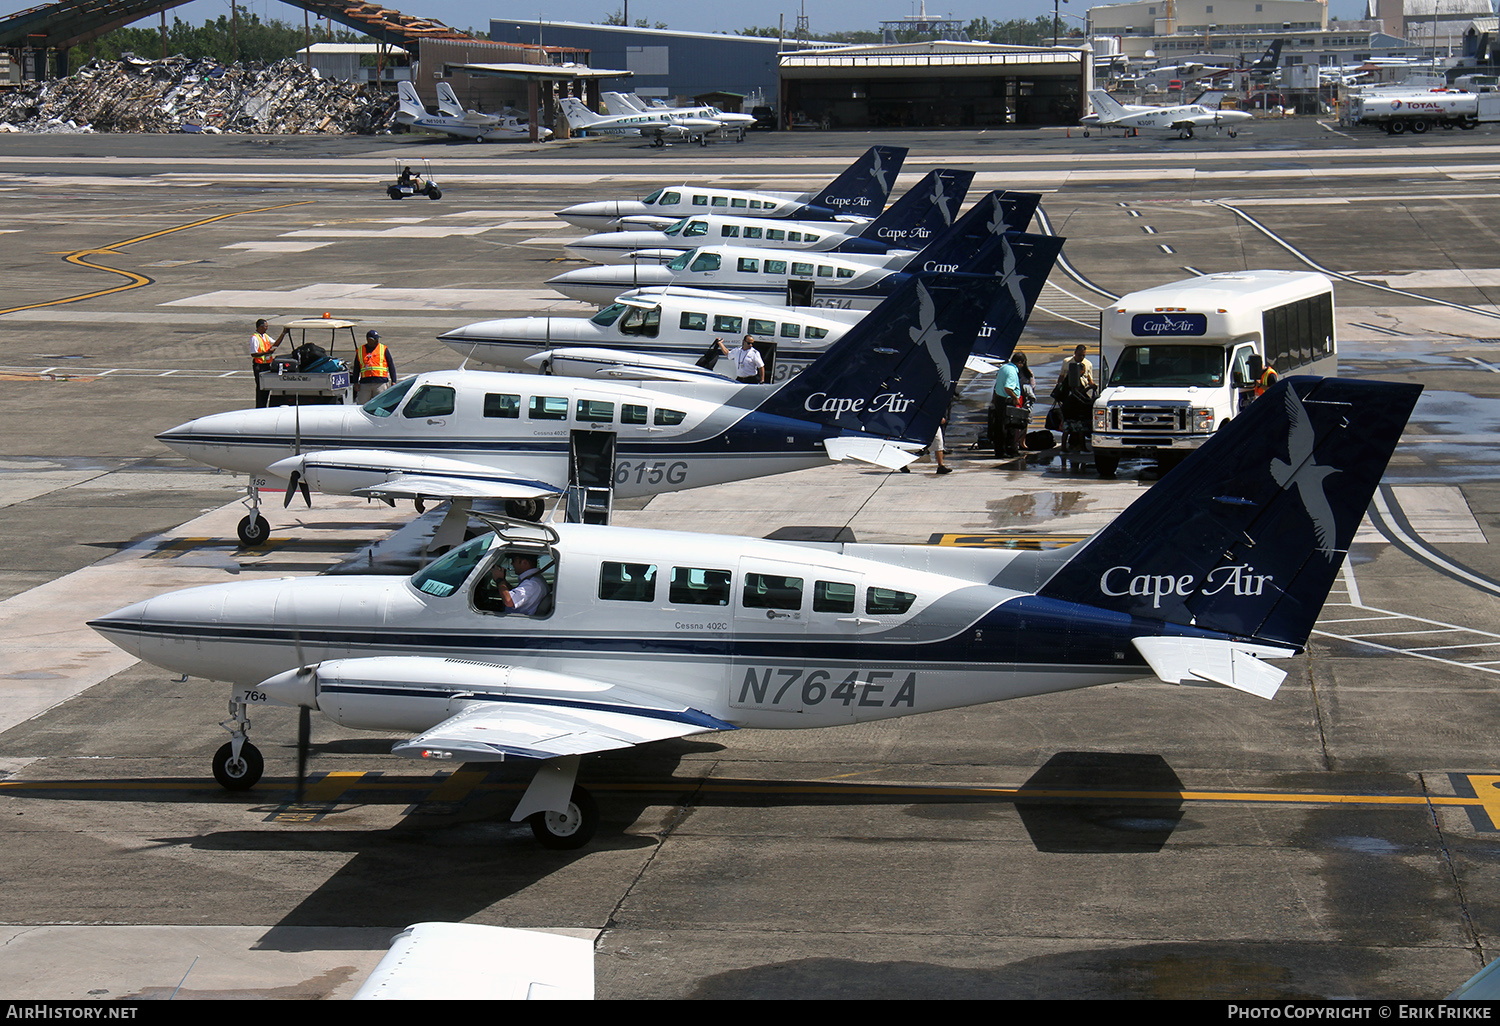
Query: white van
(1174, 360)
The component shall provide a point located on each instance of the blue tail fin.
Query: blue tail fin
(892, 374)
(1246, 536)
(922, 213)
(862, 189)
(997, 213)
(1025, 261)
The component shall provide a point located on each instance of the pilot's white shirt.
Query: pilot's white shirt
(747, 362)
(527, 595)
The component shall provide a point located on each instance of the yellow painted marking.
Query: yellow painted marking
(135, 280)
(1009, 540)
(331, 787)
(1488, 790)
(457, 785)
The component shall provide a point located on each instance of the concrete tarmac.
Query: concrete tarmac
(1133, 841)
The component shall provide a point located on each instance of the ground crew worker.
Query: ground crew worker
(377, 370)
(262, 345)
(1264, 377)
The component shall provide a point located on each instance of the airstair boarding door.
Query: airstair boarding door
(799, 292)
(591, 468)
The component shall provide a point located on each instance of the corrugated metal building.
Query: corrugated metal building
(664, 63)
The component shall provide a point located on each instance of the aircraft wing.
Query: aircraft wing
(400, 475)
(515, 712)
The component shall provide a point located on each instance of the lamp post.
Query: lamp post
(1056, 20)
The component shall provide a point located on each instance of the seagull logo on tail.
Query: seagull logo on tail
(997, 225)
(940, 199)
(926, 333)
(877, 172)
(1010, 279)
(1299, 470)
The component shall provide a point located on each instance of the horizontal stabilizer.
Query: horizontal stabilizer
(470, 962)
(1233, 664)
(879, 451)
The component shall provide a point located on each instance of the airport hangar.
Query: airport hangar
(937, 84)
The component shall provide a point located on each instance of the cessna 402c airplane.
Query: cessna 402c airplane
(462, 435)
(648, 635)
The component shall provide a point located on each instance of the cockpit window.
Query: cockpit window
(604, 318)
(706, 262)
(653, 197)
(680, 263)
(384, 404)
(430, 401)
(443, 577)
(675, 227)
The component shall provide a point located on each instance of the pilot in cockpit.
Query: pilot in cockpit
(528, 595)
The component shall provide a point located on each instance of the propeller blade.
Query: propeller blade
(291, 488)
(304, 739)
(306, 495)
(421, 505)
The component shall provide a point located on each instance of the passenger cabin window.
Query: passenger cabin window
(721, 201)
(791, 331)
(885, 602)
(759, 327)
(548, 407)
(706, 262)
(800, 268)
(667, 418)
(794, 236)
(723, 322)
(749, 265)
(386, 402)
(775, 266)
(700, 201)
(694, 322)
(769, 206)
(771, 591)
(430, 401)
(816, 332)
(604, 318)
(627, 582)
(809, 237)
(833, 597)
(630, 414)
(696, 229)
(846, 272)
(754, 233)
(506, 407)
(775, 235)
(729, 231)
(596, 410)
(694, 587)
(825, 271)
(755, 204)
(738, 203)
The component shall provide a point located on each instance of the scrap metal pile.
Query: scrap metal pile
(180, 94)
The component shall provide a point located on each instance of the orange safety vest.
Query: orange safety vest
(373, 363)
(1266, 380)
(263, 344)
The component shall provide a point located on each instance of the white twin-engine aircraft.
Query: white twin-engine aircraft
(619, 104)
(648, 635)
(660, 126)
(1182, 119)
(460, 123)
(877, 395)
(858, 194)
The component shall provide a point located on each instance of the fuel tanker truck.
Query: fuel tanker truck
(1418, 110)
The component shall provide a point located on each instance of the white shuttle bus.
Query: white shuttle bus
(1174, 364)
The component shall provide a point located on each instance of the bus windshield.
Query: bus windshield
(1157, 365)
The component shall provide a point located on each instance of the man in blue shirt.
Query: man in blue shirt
(1007, 396)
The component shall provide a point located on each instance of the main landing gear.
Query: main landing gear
(253, 529)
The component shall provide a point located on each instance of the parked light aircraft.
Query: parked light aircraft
(649, 635)
(729, 124)
(413, 114)
(874, 396)
(663, 334)
(675, 324)
(500, 126)
(848, 281)
(660, 126)
(923, 211)
(1182, 119)
(858, 194)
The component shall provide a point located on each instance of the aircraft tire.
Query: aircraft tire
(1106, 463)
(525, 509)
(565, 831)
(239, 776)
(254, 530)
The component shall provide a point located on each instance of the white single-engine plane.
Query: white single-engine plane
(643, 636)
